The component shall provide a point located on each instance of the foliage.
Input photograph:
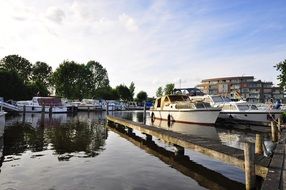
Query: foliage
(12, 86)
(99, 77)
(124, 93)
(142, 96)
(17, 64)
(37, 89)
(159, 92)
(132, 89)
(106, 93)
(169, 88)
(72, 80)
(282, 76)
(41, 72)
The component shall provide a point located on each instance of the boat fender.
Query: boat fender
(169, 118)
(152, 117)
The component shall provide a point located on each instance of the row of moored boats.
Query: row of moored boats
(208, 109)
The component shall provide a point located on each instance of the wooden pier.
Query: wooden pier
(251, 160)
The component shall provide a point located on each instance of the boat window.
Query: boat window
(243, 107)
(254, 107)
(200, 105)
(226, 99)
(178, 98)
(217, 99)
(159, 103)
(229, 107)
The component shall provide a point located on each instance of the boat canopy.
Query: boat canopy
(48, 101)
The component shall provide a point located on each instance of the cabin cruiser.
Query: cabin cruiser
(89, 104)
(240, 111)
(180, 108)
(37, 103)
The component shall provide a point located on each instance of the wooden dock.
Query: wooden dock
(211, 148)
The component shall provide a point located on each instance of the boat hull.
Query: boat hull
(252, 117)
(195, 116)
(37, 109)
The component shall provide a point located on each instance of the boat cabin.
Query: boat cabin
(47, 101)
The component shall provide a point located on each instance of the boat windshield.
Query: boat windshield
(217, 99)
(178, 98)
(243, 107)
(226, 99)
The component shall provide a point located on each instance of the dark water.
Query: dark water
(82, 152)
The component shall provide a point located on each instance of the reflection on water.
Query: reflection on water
(78, 152)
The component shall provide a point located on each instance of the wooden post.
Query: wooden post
(144, 113)
(50, 111)
(24, 114)
(249, 166)
(88, 109)
(274, 132)
(258, 144)
(279, 124)
(107, 108)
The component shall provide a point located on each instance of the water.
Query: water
(81, 152)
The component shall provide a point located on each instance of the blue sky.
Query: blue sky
(150, 42)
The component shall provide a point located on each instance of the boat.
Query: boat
(179, 108)
(240, 111)
(89, 105)
(37, 103)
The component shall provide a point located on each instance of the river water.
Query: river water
(82, 152)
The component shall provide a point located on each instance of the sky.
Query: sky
(150, 42)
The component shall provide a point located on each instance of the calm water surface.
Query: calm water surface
(82, 152)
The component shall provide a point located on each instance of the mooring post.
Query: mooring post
(50, 111)
(144, 113)
(279, 124)
(24, 114)
(258, 144)
(249, 166)
(107, 108)
(88, 109)
(180, 151)
(130, 130)
(274, 132)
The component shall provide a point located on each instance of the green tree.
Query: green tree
(99, 77)
(123, 92)
(159, 92)
(132, 89)
(18, 64)
(142, 96)
(169, 88)
(12, 86)
(72, 80)
(106, 93)
(41, 72)
(282, 76)
(37, 88)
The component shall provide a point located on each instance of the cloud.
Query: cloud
(128, 22)
(55, 14)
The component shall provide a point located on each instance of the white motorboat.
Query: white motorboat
(179, 108)
(37, 103)
(89, 105)
(240, 111)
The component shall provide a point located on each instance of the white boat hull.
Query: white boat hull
(193, 116)
(37, 109)
(251, 116)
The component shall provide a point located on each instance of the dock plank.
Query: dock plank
(211, 148)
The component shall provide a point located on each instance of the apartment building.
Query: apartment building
(241, 87)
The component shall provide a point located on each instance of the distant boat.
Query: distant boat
(36, 104)
(240, 111)
(89, 104)
(179, 108)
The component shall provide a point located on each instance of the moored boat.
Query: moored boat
(179, 108)
(37, 103)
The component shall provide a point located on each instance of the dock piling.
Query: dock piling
(144, 113)
(249, 166)
(24, 114)
(50, 111)
(107, 108)
(274, 132)
(180, 151)
(258, 144)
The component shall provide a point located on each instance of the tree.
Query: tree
(123, 92)
(159, 92)
(72, 80)
(18, 64)
(282, 76)
(106, 93)
(41, 72)
(12, 86)
(99, 78)
(132, 89)
(169, 88)
(142, 96)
